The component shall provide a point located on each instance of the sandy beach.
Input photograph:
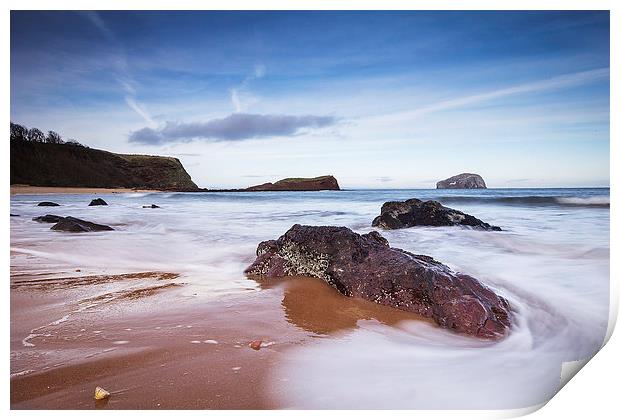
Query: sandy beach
(28, 189)
(153, 343)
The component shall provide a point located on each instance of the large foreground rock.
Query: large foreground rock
(319, 183)
(414, 212)
(462, 181)
(365, 266)
(72, 224)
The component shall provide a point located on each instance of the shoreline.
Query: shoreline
(31, 190)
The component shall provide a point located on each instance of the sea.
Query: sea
(551, 261)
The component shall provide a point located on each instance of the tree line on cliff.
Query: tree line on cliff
(34, 135)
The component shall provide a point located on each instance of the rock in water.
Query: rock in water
(47, 204)
(414, 212)
(71, 224)
(365, 266)
(48, 218)
(462, 181)
(98, 202)
(152, 206)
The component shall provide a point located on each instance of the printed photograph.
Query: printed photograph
(317, 209)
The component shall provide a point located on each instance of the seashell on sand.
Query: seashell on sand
(101, 394)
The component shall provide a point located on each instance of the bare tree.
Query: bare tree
(53, 137)
(36, 135)
(19, 132)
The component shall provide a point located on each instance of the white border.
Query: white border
(593, 394)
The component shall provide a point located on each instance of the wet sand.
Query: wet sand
(27, 189)
(154, 341)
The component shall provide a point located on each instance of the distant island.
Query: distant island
(326, 182)
(462, 181)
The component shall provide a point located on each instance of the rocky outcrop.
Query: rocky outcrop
(98, 202)
(69, 165)
(462, 181)
(48, 218)
(327, 182)
(72, 224)
(48, 204)
(365, 266)
(414, 212)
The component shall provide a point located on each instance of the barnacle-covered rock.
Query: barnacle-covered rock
(365, 266)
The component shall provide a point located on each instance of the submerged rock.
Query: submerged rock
(365, 266)
(98, 202)
(48, 218)
(152, 206)
(462, 181)
(72, 224)
(414, 212)
(47, 204)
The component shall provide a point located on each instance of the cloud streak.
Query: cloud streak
(234, 127)
(553, 83)
(240, 98)
(123, 78)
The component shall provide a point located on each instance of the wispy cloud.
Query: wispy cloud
(240, 97)
(235, 127)
(385, 179)
(123, 77)
(139, 109)
(553, 83)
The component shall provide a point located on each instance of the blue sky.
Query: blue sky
(378, 99)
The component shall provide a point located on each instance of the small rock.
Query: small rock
(152, 206)
(14, 215)
(98, 202)
(48, 218)
(101, 394)
(256, 344)
(72, 224)
(47, 204)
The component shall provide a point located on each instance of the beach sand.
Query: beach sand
(27, 189)
(154, 342)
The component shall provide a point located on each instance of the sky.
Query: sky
(377, 99)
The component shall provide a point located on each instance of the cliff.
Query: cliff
(462, 181)
(68, 165)
(327, 182)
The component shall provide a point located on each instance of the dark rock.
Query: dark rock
(98, 202)
(48, 218)
(365, 266)
(414, 212)
(47, 204)
(462, 181)
(14, 215)
(319, 183)
(152, 206)
(71, 224)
